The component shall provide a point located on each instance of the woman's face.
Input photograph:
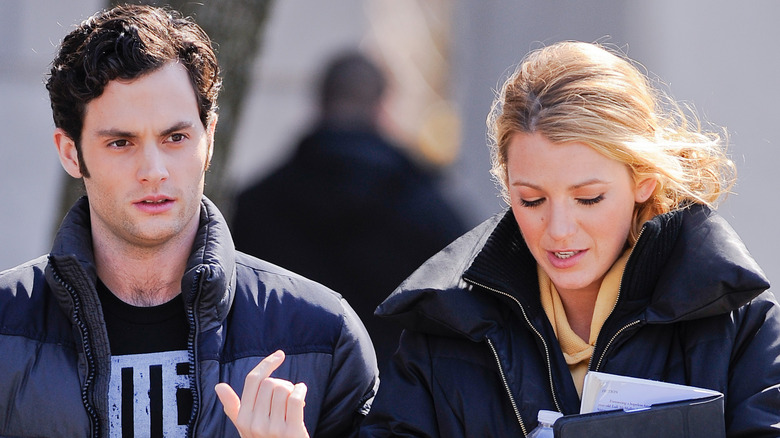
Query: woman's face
(574, 207)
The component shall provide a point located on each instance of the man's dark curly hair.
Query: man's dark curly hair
(127, 42)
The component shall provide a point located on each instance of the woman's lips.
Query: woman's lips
(565, 259)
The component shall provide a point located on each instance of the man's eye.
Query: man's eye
(118, 143)
(177, 137)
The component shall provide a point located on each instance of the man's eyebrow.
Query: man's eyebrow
(177, 127)
(114, 132)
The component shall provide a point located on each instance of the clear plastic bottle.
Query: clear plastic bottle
(546, 420)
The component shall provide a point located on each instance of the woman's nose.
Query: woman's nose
(561, 222)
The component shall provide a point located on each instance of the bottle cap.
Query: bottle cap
(548, 417)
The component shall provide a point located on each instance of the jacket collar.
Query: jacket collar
(687, 264)
(209, 280)
(74, 238)
(694, 265)
(212, 264)
(435, 299)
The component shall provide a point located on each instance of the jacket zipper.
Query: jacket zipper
(506, 386)
(614, 306)
(603, 353)
(94, 420)
(191, 347)
(544, 343)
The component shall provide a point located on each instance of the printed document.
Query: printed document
(607, 392)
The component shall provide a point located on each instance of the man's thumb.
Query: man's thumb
(229, 399)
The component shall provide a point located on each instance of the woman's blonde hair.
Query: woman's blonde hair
(581, 92)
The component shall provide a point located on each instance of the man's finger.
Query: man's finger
(267, 366)
(295, 404)
(230, 401)
(276, 392)
(259, 373)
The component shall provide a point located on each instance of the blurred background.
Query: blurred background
(444, 59)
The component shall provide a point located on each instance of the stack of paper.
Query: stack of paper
(606, 392)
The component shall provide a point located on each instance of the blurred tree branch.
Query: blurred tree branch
(236, 29)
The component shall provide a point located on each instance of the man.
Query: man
(143, 306)
(349, 209)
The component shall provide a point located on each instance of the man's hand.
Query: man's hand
(269, 407)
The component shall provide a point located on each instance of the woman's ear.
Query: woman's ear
(644, 189)
(66, 149)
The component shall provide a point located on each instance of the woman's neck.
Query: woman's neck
(579, 306)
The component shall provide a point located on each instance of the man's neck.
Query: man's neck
(143, 276)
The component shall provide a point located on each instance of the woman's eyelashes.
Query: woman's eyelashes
(591, 201)
(530, 203)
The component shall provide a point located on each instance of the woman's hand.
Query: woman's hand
(269, 407)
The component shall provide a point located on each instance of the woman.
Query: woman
(609, 259)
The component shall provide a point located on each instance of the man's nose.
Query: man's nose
(152, 167)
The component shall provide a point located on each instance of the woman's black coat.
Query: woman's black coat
(479, 357)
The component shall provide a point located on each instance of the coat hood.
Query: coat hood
(687, 264)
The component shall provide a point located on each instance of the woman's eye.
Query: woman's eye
(531, 203)
(591, 201)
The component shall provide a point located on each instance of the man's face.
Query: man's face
(147, 153)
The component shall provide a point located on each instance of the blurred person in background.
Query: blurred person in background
(609, 258)
(143, 306)
(350, 209)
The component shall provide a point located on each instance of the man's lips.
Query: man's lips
(154, 204)
(157, 199)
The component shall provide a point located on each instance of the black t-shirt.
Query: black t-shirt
(149, 386)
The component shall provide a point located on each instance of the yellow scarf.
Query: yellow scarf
(576, 351)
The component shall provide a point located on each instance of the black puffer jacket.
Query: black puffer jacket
(55, 358)
(480, 358)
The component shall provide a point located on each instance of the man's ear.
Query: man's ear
(210, 130)
(644, 189)
(66, 149)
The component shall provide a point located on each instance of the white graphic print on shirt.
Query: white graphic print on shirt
(147, 393)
